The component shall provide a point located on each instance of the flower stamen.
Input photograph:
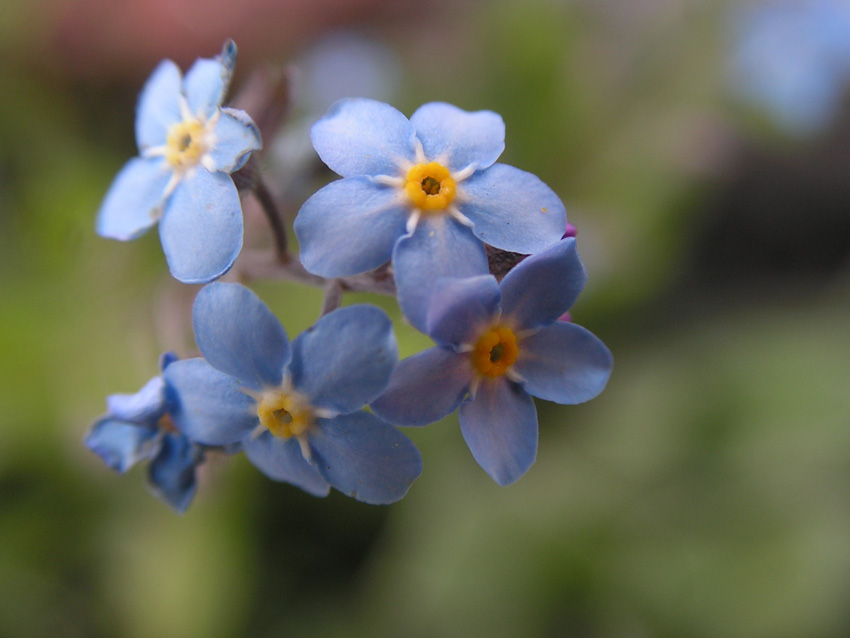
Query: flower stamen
(284, 414)
(494, 352)
(185, 143)
(430, 186)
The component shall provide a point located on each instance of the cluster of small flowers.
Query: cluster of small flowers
(425, 195)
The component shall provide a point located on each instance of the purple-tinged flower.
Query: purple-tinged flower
(497, 346)
(188, 146)
(425, 192)
(297, 410)
(139, 427)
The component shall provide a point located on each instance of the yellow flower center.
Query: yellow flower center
(495, 352)
(284, 414)
(430, 186)
(185, 143)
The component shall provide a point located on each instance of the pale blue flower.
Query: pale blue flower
(297, 410)
(188, 146)
(792, 57)
(425, 192)
(497, 346)
(139, 427)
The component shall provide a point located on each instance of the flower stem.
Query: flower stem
(266, 200)
(257, 264)
(332, 297)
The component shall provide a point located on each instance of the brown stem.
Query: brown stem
(257, 264)
(266, 200)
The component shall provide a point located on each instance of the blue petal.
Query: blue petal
(512, 210)
(205, 85)
(201, 228)
(500, 428)
(457, 138)
(239, 335)
(159, 106)
(282, 460)
(365, 458)
(364, 137)
(236, 136)
(542, 287)
(350, 226)
(166, 359)
(171, 475)
(134, 201)
(564, 363)
(461, 308)
(121, 444)
(345, 360)
(208, 406)
(439, 247)
(227, 57)
(144, 407)
(425, 387)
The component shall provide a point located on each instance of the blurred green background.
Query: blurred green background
(705, 493)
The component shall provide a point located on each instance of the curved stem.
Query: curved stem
(278, 228)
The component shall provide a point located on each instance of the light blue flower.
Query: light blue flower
(139, 427)
(424, 192)
(792, 58)
(499, 345)
(188, 146)
(298, 411)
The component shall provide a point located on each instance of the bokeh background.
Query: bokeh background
(702, 150)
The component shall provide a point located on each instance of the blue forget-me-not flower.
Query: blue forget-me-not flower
(139, 427)
(497, 346)
(188, 146)
(792, 57)
(297, 409)
(424, 192)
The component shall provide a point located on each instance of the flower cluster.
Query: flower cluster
(423, 210)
